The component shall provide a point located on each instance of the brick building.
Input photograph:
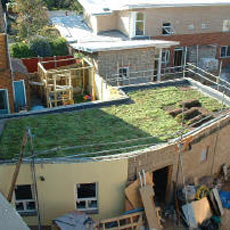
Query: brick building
(201, 28)
(12, 83)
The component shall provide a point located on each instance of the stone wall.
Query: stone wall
(135, 60)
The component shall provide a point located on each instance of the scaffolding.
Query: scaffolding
(60, 81)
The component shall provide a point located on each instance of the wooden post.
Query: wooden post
(16, 172)
(93, 84)
(54, 90)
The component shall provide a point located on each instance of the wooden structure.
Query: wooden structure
(132, 221)
(59, 85)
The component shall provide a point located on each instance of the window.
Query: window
(87, 197)
(204, 155)
(165, 56)
(167, 28)
(4, 104)
(24, 199)
(226, 26)
(123, 73)
(225, 51)
(139, 24)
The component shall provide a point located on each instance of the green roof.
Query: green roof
(145, 118)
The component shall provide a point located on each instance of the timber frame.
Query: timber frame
(59, 84)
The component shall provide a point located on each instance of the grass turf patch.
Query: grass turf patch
(145, 117)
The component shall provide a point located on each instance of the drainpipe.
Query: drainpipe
(9, 60)
(159, 65)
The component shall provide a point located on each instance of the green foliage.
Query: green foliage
(145, 117)
(20, 50)
(63, 4)
(40, 47)
(58, 47)
(32, 17)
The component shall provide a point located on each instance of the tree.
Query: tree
(32, 17)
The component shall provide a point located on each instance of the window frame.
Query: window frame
(123, 78)
(7, 100)
(87, 200)
(168, 29)
(135, 21)
(25, 201)
(227, 47)
(166, 60)
(226, 25)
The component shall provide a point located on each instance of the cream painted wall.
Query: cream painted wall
(181, 18)
(57, 194)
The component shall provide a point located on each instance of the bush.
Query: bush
(20, 50)
(59, 47)
(40, 47)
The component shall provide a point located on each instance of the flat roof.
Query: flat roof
(142, 123)
(74, 29)
(100, 7)
(122, 45)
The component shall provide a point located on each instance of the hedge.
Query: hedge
(39, 47)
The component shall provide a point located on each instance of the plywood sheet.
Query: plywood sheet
(197, 212)
(147, 195)
(132, 191)
(202, 210)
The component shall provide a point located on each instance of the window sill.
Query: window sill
(225, 57)
(28, 213)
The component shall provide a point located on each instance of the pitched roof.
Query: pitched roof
(9, 218)
(100, 7)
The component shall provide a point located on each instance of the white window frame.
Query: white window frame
(123, 78)
(226, 51)
(87, 200)
(7, 97)
(134, 19)
(25, 201)
(165, 56)
(169, 29)
(226, 25)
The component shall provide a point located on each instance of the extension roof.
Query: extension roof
(103, 7)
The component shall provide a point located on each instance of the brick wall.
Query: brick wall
(215, 138)
(5, 76)
(203, 39)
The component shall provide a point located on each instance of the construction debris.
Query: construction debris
(73, 221)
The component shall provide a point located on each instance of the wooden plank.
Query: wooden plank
(132, 221)
(132, 191)
(147, 195)
(197, 212)
(17, 169)
(202, 210)
(218, 201)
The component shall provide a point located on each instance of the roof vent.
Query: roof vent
(106, 9)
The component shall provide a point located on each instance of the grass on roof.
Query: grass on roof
(145, 117)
